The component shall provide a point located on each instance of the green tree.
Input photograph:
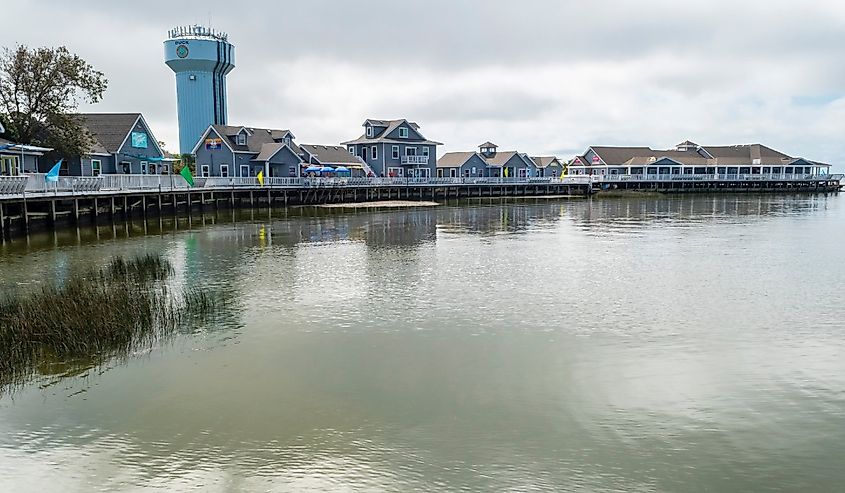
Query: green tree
(40, 89)
(185, 160)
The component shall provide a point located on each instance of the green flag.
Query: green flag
(186, 174)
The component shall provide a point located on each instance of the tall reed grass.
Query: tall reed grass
(95, 314)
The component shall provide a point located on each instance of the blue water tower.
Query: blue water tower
(201, 58)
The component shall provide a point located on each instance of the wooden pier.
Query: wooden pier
(44, 209)
(30, 202)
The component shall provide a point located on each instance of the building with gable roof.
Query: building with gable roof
(690, 158)
(395, 148)
(548, 166)
(120, 143)
(487, 162)
(240, 151)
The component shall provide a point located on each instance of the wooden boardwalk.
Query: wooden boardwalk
(29, 201)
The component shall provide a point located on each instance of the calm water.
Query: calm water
(674, 344)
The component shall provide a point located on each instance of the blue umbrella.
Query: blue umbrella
(326, 169)
(313, 169)
(341, 169)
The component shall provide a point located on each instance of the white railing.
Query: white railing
(414, 159)
(12, 185)
(709, 177)
(36, 183)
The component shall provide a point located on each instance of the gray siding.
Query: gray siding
(135, 156)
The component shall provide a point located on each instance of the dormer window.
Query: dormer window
(241, 139)
(403, 132)
(369, 132)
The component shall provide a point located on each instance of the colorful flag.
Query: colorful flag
(53, 174)
(186, 174)
(260, 177)
(506, 172)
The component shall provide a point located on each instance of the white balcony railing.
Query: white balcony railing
(414, 159)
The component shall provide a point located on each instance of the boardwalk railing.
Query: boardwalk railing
(712, 177)
(36, 184)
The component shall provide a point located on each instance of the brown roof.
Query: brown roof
(488, 144)
(454, 159)
(108, 130)
(391, 126)
(256, 139)
(545, 161)
(330, 155)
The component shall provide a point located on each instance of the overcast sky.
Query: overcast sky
(539, 76)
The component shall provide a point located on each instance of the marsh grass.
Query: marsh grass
(94, 315)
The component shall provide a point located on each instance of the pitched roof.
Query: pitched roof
(545, 161)
(735, 155)
(108, 130)
(501, 158)
(330, 154)
(455, 159)
(268, 151)
(256, 137)
(488, 144)
(390, 126)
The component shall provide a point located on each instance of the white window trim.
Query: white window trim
(369, 131)
(453, 172)
(352, 150)
(143, 167)
(224, 170)
(409, 148)
(241, 169)
(205, 171)
(99, 167)
(425, 151)
(241, 139)
(403, 132)
(125, 165)
(395, 152)
(374, 154)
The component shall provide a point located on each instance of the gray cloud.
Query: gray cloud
(546, 75)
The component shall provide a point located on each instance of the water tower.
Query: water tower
(201, 58)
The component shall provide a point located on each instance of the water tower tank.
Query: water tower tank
(201, 57)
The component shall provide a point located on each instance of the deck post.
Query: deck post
(2, 224)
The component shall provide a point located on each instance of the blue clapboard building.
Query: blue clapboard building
(201, 58)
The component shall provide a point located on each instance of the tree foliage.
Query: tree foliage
(40, 89)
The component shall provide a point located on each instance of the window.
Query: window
(204, 171)
(403, 132)
(352, 150)
(143, 167)
(473, 170)
(369, 131)
(425, 151)
(241, 139)
(466, 173)
(224, 170)
(244, 170)
(395, 152)
(410, 151)
(125, 165)
(165, 169)
(440, 173)
(453, 172)
(96, 167)
(375, 152)
(292, 171)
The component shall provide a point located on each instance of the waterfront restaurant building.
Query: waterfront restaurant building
(689, 158)
(487, 162)
(395, 148)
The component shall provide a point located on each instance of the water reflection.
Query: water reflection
(598, 345)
